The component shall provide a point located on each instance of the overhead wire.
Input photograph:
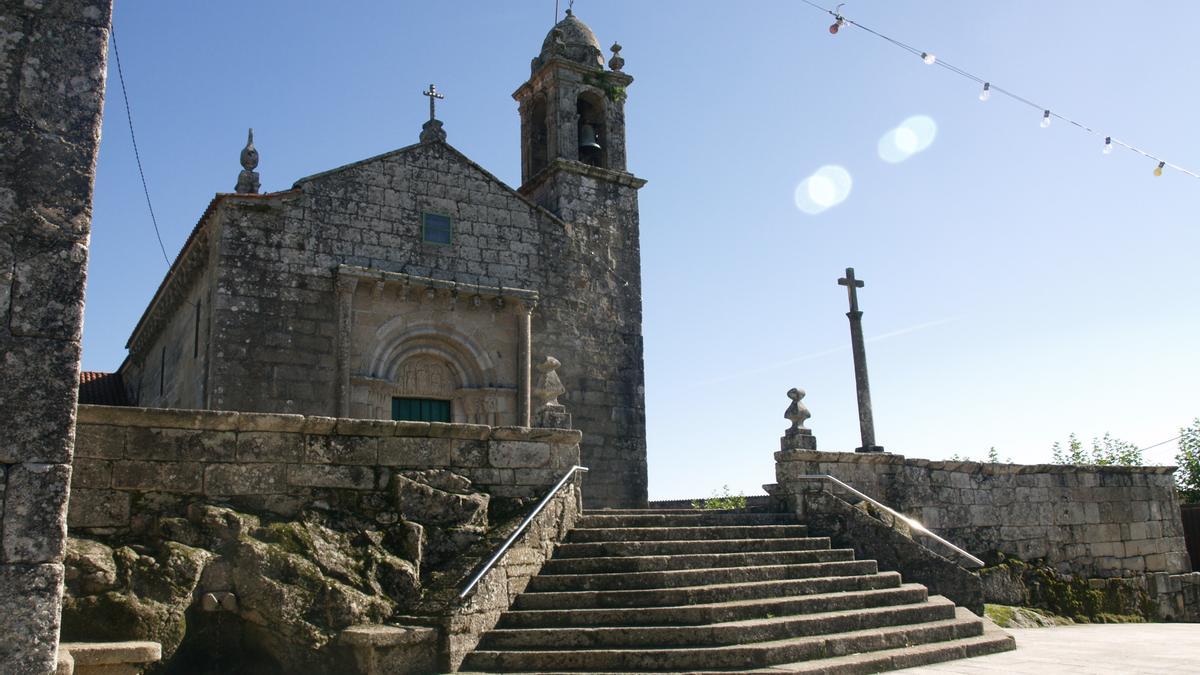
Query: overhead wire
(842, 20)
(133, 138)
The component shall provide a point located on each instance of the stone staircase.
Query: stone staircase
(699, 591)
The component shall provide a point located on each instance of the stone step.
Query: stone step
(654, 563)
(728, 633)
(592, 534)
(993, 641)
(729, 657)
(618, 581)
(737, 610)
(610, 549)
(667, 597)
(693, 519)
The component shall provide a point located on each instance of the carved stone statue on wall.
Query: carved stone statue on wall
(548, 412)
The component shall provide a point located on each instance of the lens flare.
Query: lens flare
(827, 187)
(913, 135)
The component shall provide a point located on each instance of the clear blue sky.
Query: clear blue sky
(1021, 284)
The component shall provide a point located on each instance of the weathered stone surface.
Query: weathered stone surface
(341, 449)
(245, 479)
(266, 446)
(90, 473)
(392, 650)
(416, 452)
(159, 476)
(35, 523)
(1088, 521)
(323, 475)
(31, 598)
(436, 497)
(510, 455)
(98, 508)
(146, 599)
(180, 445)
(38, 379)
(99, 441)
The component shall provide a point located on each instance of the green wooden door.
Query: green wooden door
(420, 410)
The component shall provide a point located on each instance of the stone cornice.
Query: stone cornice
(581, 169)
(526, 297)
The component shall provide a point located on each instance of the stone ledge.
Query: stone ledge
(112, 653)
(959, 466)
(221, 420)
(374, 635)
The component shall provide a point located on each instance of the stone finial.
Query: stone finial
(797, 412)
(248, 182)
(548, 411)
(616, 62)
(798, 436)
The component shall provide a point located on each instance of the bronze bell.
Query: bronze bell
(587, 137)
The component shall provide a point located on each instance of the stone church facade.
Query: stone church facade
(416, 285)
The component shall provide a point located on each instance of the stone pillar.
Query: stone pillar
(524, 365)
(52, 72)
(345, 299)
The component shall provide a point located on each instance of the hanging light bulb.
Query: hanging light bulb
(1045, 119)
(987, 91)
(1158, 169)
(837, 25)
(928, 58)
(1108, 145)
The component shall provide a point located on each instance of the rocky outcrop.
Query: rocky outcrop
(286, 588)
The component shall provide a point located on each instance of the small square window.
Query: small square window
(435, 228)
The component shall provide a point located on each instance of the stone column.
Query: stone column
(345, 304)
(524, 365)
(52, 71)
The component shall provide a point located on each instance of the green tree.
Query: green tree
(1105, 451)
(722, 499)
(1187, 478)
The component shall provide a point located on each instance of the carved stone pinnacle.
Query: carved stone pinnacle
(616, 62)
(248, 182)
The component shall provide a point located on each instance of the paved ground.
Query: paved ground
(1153, 649)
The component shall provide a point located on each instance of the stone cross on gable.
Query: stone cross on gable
(433, 95)
(852, 285)
(432, 130)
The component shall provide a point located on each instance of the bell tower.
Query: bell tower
(573, 164)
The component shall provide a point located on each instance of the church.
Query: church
(415, 285)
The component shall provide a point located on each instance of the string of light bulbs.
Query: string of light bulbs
(988, 87)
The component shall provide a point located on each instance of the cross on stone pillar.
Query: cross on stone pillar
(432, 130)
(866, 420)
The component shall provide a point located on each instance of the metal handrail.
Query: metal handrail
(913, 523)
(520, 528)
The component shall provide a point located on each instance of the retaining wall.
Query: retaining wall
(136, 463)
(1088, 520)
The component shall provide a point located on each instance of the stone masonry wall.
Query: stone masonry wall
(1086, 520)
(136, 463)
(52, 74)
(275, 324)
